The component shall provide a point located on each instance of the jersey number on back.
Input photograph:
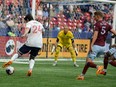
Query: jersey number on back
(36, 29)
(103, 31)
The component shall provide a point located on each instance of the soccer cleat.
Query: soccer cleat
(100, 68)
(102, 73)
(80, 77)
(75, 65)
(55, 63)
(29, 73)
(7, 64)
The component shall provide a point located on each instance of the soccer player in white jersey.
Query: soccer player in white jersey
(33, 44)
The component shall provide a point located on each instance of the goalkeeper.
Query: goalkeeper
(65, 38)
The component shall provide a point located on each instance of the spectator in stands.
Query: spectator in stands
(45, 12)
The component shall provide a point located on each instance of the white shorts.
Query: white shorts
(96, 51)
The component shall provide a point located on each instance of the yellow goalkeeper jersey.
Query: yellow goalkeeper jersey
(65, 39)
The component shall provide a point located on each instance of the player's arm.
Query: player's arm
(26, 32)
(114, 32)
(113, 36)
(54, 46)
(73, 44)
(114, 45)
(43, 30)
(95, 35)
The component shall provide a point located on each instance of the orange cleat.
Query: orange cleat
(102, 73)
(29, 73)
(80, 77)
(100, 68)
(7, 64)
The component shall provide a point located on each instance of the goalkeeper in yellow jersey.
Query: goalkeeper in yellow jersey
(65, 38)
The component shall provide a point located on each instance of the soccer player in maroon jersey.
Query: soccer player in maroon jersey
(101, 29)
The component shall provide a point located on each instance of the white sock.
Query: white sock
(14, 57)
(82, 74)
(105, 70)
(55, 61)
(31, 64)
(75, 63)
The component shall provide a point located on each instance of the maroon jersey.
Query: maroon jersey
(102, 27)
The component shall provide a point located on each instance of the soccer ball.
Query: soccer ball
(9, 70)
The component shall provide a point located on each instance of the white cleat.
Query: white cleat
(55, 63)
(75, 65)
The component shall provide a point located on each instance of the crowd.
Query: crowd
(79, 18)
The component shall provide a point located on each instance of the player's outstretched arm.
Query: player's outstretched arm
(54, 46)
(114, 45)
(53, 49)
(113, 36)
(73, 44)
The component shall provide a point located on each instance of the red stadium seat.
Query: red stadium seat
(64, 23)
(54, 19)
(64, 19)
(60, 19)
(63, 16)
(69, 20)
(75, 20)
(58, 15)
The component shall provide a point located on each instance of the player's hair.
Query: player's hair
(99, 13)
(28, 17)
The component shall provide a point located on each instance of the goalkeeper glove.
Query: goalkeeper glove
(113, 36)
(53, 49)
(76, 52)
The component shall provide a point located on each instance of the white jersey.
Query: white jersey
(34, 38)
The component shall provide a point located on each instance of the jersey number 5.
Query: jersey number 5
(103, 31)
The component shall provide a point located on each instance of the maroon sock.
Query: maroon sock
(113, 63)
(92, 65)
(87, 65)
(105, 62)
(85, 69)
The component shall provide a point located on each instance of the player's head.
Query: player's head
(66, 29)
(28, 17)
(98, 15)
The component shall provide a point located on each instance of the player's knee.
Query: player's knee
(107, 55)
(88, 63)
(72, 52)
(57, 50)
(32, 57)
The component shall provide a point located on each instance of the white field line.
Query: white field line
(25, 61)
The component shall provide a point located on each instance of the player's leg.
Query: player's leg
(106, 56)
(109, 57)
(113, 58)
(33, 54)
(73, 55)
(24, 49)
(90, 63)
(112, 62)
(58, 48)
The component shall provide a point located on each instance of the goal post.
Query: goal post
(33, 8)
(114, 23)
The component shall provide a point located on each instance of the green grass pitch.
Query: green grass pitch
(63, 75)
